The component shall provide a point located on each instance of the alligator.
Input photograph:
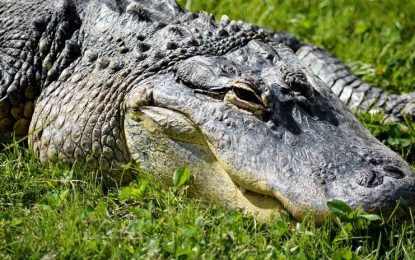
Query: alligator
(257, 116)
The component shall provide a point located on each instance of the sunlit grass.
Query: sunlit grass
(55, 211)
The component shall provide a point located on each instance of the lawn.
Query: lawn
(52, 211)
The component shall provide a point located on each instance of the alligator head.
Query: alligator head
(261, 132)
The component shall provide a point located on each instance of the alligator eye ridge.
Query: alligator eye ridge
(297, 81)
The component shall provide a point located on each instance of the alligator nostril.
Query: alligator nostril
(393, 172)
(369, 179)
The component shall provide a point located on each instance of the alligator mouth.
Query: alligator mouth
(274, 203)
(261, 204)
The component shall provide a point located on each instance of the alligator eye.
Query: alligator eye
(247, 95)
(242, 95)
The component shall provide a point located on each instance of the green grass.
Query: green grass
(48, 211)
(55, 211)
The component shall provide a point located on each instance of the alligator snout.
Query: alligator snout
(360, 183)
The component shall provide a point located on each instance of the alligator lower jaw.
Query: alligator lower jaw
(264, 208)
(269, 207)
(222, 190)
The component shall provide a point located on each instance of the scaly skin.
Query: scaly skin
(355, 94)
(149, 82)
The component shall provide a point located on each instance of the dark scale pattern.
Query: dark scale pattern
(18, 82)
(33, 52)
(80, 112)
